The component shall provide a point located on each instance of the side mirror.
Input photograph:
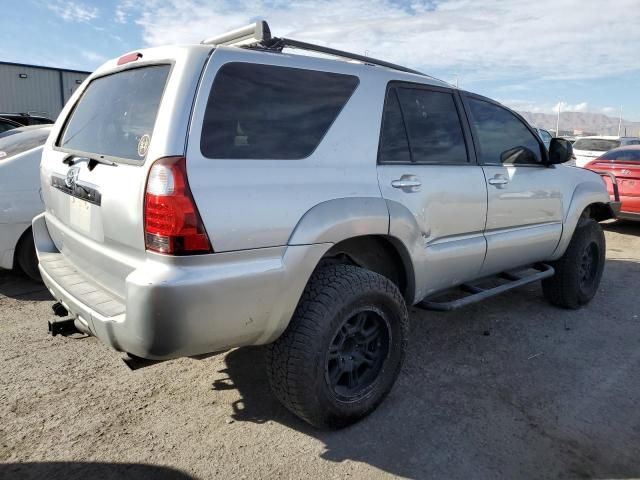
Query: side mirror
(560, 151)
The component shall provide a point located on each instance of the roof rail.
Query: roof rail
(255, 33)
(258, 35)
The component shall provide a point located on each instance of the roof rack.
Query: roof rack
(258, 35)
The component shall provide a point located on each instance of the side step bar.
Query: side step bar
(478, 293)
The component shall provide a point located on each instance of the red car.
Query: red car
(624, 163)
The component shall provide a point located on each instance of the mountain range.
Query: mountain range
(582, 123)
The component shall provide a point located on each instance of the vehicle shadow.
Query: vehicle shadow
(626, 227)
(16, 285)
(508, 388)
(88, 470)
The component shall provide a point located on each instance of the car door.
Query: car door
(431, 186)
(524, 211)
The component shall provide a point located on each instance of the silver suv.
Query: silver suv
(205, 197)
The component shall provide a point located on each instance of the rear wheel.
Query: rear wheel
(26, 258)
(579, 270)
(343, 349)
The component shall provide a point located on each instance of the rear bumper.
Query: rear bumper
(183, 306)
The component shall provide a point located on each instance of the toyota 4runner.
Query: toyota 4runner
(230, 193)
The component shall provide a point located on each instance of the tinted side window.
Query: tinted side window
(4, 126)
(269, 112)
(433, 126)
(502, 136)
(22, 140)
(394, 146)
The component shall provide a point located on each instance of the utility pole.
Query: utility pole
(620, 121)
(558, 120)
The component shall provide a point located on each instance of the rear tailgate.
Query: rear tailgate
(95, 164)
(628, 178)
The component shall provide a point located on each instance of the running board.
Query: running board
(478, 293)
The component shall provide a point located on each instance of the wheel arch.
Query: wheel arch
(358, 229)
(589, 200)
(381, 254)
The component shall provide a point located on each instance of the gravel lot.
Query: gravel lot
(508, 388)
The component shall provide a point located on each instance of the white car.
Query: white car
(586, 149)
(20, 154)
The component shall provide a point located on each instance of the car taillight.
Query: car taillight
(172, 224)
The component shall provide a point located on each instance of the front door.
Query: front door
(524, 214)
(431, 186)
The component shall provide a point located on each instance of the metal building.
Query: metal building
(31, 88)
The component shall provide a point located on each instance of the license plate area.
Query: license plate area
(80, 215)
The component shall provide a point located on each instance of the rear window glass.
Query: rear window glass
(269, 112)
(597, 144)
(21, 141)
(116, 113)
(623, 155)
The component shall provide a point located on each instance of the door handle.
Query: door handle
(498, 180)
(408, 183)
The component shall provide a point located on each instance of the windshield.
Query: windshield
(597, 144)
(116, 113)
(622, 155)
(22, 140)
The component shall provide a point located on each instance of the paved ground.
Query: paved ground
(510, 388)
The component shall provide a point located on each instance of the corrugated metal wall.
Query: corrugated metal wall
(41, 91)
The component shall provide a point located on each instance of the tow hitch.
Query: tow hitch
(62, 326)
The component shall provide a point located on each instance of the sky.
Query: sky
(533, 55)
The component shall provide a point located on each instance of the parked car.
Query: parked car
(545, 136)
(20, 153)
(27, 119)
(7, 124)
(624, 164)
(232, 196)
(586, 149)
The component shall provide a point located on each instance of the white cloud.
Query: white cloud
(93, 56)
(73, 11)
(566, 107)
(581, 107)
(546, 39)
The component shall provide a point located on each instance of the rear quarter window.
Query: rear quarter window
(115, 112)
(270, 112)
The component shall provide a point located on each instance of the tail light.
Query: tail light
(172, 224)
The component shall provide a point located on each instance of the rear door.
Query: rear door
(525, 200)
(424, 165)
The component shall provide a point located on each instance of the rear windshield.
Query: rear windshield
(623, 155)
(597, 144)
(268, 112)
(116, 114)
(22, 140)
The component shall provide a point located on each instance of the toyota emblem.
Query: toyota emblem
(72, 177)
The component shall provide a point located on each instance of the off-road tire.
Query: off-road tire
(26, 258)
(567, 288)
(298, 362)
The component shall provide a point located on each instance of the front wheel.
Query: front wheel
(343, 349)
(579, 270)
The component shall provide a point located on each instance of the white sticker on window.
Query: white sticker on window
(143, 145)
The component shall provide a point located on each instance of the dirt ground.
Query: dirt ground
(508, 388)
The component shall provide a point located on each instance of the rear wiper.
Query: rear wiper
(92, 161)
